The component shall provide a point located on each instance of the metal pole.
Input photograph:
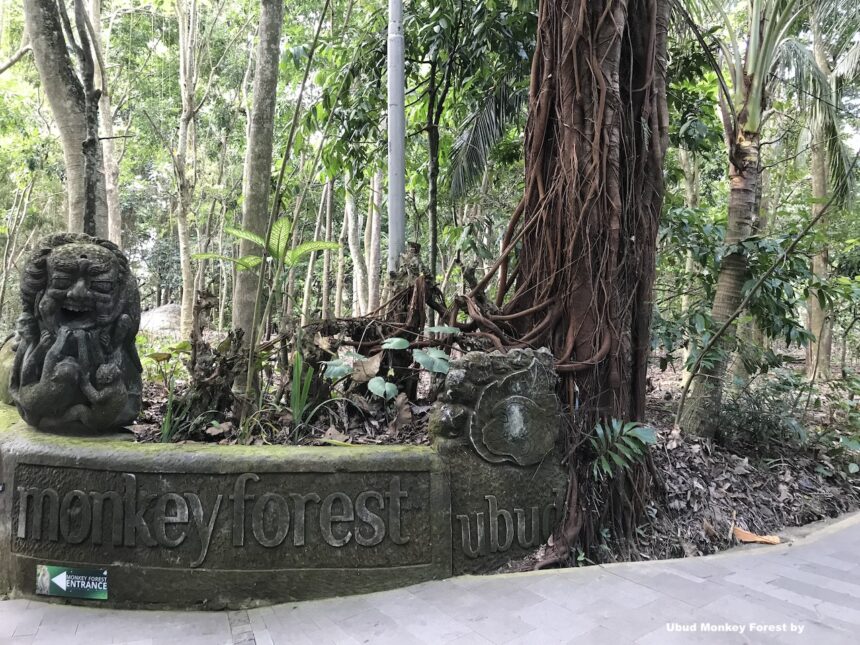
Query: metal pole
(396, 136)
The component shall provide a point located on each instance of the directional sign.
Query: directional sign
(91, 584)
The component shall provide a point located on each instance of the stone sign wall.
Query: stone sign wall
(236, 529)
(209, 526)
(245, 520)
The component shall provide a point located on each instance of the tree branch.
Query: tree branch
(18, 55)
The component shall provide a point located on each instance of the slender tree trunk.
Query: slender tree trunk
(326, 276)
(188, 20)
(690, 166)
(309, 274)
(341, 261)
(258, 157)
(109, 152)
(223, 276)
(820, 326)
(433, 195)
(13, 226)
(359, 269)
(702, 412)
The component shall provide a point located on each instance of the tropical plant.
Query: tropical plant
(300, 388)
(750, 60)
(619, 445)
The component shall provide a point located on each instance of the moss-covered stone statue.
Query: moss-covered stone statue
(76, 366)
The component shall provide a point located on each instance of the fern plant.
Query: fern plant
(619, 445)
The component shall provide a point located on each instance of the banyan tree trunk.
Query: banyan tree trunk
(596, 136)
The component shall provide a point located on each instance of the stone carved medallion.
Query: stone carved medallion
(504, 403)
(76, 366)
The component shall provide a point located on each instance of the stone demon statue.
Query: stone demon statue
(76, 367)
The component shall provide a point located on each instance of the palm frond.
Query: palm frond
(817, 96)
(848, 65)
(482, 130)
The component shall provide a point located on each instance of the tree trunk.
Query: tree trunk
(258, 157)
(109, 153)
(690, 166)
(702, 412)
(433, 195)
(309, 274)
(396, 120)
(374, 263)
(586, 229)
(595, 142)
(325, 312)
(74, 105)
(359, 268)
(188, 20)
(820, 326)
(339, 280)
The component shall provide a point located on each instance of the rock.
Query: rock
(161, 320)
(76, 366)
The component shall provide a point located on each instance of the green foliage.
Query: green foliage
(395, 343)
(382, 388)
(619, 445)
(300, 388)
(432, 359)
(278, 247)
(765, 412)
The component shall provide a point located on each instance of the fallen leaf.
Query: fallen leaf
(366, 369)
(747, 536)
(332, 434)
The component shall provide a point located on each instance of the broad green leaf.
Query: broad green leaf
(160, 357)
(443, 329)
(634, 444)
(430, 363)
(618, 459)
(249, 261)
(183, 346)
(279, 240)
(382, 388)
(336, 369)
(292, 257)
(395, 343)
(246, 235)
(645, 434)
(604, 464)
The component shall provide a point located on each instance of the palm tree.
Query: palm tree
(748, 64)
(833, 26)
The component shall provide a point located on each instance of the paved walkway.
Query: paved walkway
(806, 591)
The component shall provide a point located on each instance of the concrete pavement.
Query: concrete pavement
(805, 591)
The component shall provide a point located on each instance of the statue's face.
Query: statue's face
(83, 288)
